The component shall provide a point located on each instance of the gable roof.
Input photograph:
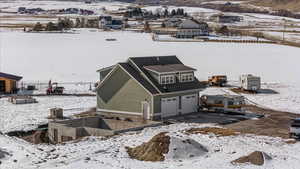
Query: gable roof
(138, 77)
(10, 76)
(142, 62)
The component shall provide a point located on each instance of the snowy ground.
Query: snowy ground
(75, 57)
(88, 51)
(95, 152)
(287, 97)
(84, 52)
(294, 37)
(12, 6)
(28, 116)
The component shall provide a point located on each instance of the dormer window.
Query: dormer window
(167, 79)
(187, 77)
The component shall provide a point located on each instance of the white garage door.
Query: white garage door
(189, 104)
(169, 106)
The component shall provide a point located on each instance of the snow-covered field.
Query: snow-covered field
(80, 54)
(96, 152)
(12, 6)
(75, 57)
(28, 116)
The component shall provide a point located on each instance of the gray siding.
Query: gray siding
(122, 93)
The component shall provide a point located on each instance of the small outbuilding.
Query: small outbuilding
(8, 83)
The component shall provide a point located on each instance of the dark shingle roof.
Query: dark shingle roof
(155, 60)
(137, 76)
(169, 68)
(10, 76)
(142, 62)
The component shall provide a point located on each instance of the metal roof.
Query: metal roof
(10, 76)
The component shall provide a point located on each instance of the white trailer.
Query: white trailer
(250, 82)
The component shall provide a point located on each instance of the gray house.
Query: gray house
(148, 87)
(191, 28)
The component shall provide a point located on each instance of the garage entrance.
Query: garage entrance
(189, 103)
(2, 86)
(169, 106)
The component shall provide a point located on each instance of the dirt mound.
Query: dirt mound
(152, 150)
(256, 158)
(163, 146)
(217, 131)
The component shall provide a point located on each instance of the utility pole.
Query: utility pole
(283, 33)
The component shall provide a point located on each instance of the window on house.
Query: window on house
(167, 79)
(188, 77)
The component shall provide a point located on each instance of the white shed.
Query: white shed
(250, 82)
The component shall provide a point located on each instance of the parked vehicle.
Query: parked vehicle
(249, 82)
(54, 89)
(295, 128)
(217, 80)
(222, 103)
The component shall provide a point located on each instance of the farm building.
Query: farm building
(226, 18)
(191, 28)
(107, 22)
(150, 88)
(8, 83)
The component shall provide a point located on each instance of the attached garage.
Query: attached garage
(169, 106)
(189, 103)
(173, 106)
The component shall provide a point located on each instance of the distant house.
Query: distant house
(172, 22)
(8, 83)
(191, 28)
(227, 18)
(148, 87)
(107, 22)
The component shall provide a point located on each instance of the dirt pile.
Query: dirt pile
(165, 146)
(152, 150)
(256, 158)
(216, 130)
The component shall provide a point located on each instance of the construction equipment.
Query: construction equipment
(217, 80)
(53, 88)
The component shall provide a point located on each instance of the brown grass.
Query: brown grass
(274, 124)
(215, 130)
(293, 5)
(152, 150)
